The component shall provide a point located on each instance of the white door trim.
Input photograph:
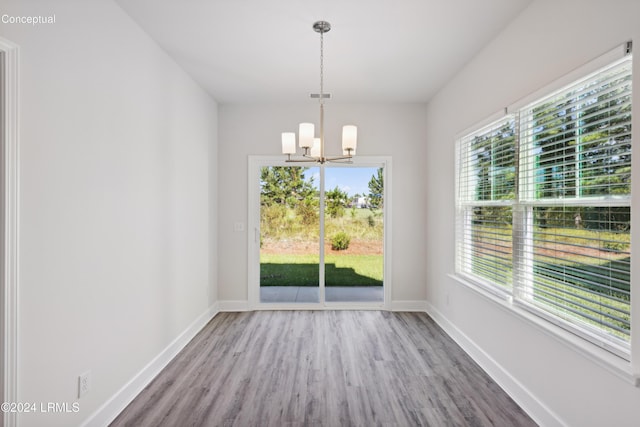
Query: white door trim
(253, 236)
(10, 193)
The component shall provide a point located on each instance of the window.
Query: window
(487, 169)
(544, 206)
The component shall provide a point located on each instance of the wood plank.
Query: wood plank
(324, 368)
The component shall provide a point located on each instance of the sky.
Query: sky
(352, 180)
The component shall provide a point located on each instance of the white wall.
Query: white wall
(546, 41)
(116, 245)
(383, 130)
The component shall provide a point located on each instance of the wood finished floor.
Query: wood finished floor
(322, 368)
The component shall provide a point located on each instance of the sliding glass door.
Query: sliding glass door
(354, 234)
(318, 233)
(289, 234)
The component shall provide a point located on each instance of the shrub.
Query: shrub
(307, 211)
(371, 221)
(614, 246)
(340, 241)
(336, 200)
(272, 219)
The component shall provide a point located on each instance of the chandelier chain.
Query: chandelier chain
(322, 67)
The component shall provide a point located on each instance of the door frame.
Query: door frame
(9, 189)
(253, 237)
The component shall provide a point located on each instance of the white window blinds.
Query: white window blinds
(576, 143)
(486, 186)
(544, 208)
(575, 171)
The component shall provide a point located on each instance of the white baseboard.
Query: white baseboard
(110, 410)
(411, 305)
(536, 409)
(243, 305)
(231, 305)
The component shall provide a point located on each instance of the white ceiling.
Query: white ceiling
(265, 51)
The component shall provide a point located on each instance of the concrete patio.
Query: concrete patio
(311, 294)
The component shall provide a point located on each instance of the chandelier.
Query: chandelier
(313, 148)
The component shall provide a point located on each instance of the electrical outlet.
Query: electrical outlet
(84, 384)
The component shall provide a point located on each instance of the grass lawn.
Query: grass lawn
(302, 270)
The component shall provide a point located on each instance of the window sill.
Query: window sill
(601, 357)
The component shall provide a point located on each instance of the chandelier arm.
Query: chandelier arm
(309, 160)
(321, 160)
(339, 159)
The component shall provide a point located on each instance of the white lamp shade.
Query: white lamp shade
(349, 138)
(315, 150)
(305, 135)
(288, 143)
